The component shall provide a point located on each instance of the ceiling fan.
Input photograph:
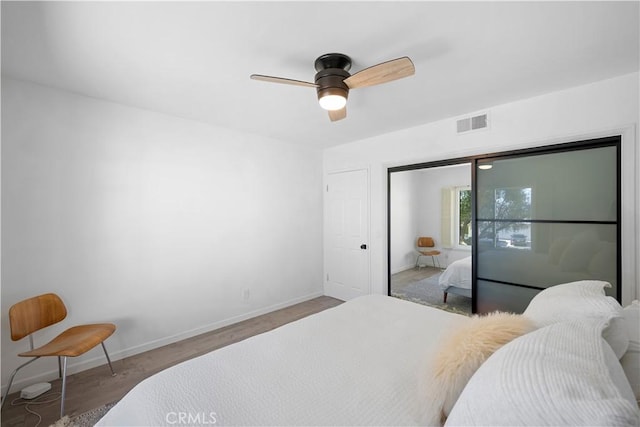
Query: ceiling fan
(333, 81)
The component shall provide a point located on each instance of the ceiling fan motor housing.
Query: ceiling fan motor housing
(332, 69)
(331, 82)
(332, 60)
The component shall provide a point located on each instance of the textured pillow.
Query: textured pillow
(603, 263)
(631, 359)
(579, 251)
(557, 248)
(563, 374)
(461, 354)
(581, 300)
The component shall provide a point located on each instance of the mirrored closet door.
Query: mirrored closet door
(545, 217)
(430, 235)
(489, 232)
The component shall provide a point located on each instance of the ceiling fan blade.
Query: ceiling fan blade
(282, 80)
(381, 73)
(336, 115)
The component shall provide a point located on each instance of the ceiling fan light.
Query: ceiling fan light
(332, 93)
(332, 102)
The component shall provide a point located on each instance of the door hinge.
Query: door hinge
(327, 188)
(327, 277)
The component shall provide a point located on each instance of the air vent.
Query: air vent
(472, 123)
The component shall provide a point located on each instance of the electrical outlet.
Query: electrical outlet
(246, 294)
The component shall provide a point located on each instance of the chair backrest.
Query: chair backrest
(33, 314)
(426, 242)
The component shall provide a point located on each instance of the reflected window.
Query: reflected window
(463, 216)
(505, 208)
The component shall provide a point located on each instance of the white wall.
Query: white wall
(598, 109)
(404, 220)
(155, 223)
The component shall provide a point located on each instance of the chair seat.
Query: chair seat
(430, 253)
(74, 341)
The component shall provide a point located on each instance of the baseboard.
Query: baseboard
(403, 268)
(84, 364)
(211, 327)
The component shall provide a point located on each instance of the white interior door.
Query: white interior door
(347, 237)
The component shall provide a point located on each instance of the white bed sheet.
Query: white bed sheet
(458, 274)
(355, 364)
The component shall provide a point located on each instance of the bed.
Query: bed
(543, 269)
(456, 279)
(362, 363)
(567, 260)
(355, 363)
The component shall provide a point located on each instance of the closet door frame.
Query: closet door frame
(615, 139)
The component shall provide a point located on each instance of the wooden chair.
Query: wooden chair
(33, 314)
(425, 247)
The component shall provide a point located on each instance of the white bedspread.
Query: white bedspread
(355, 364)
(458, 274)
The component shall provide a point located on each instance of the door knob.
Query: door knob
(363, 246)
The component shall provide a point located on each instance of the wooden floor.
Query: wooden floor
(96, 387)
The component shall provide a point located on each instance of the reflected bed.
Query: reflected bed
(456, 279)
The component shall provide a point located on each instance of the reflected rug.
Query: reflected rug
(86, 419)
(427, 292)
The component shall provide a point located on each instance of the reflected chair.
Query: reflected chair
(425, 247)
(33, 314)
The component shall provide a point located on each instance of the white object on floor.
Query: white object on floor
(34, 390)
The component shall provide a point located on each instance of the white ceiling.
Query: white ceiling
(193, 60)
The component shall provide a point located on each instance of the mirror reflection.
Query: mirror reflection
(431, 236)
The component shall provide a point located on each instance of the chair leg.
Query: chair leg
(113, 374)
(6, 393)
(64, 377)
(59, 367)
(417, 259)
(64, 385)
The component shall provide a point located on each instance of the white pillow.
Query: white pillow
(563, 374)
(580, 300)
(603, 263)
(557, 248)
(631, 359)
(460, 354)
(579, 251)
